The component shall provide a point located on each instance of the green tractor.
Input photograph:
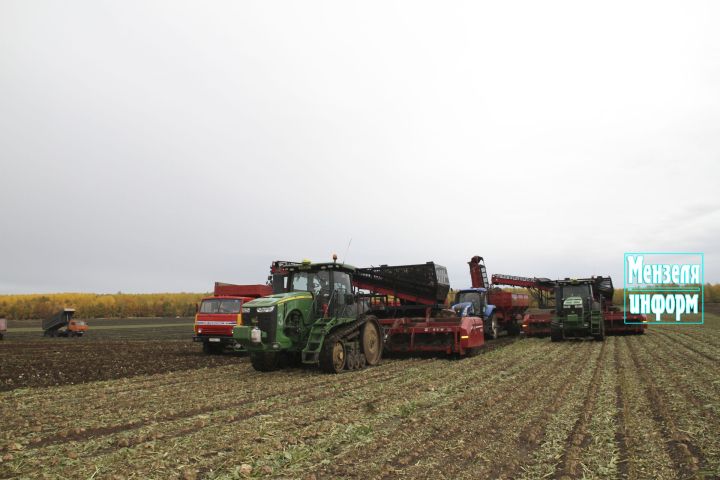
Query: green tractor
(317, 321)
(579, 308)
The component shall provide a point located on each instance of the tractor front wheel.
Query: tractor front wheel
(264, 361)
(492, 328)
(333, 356)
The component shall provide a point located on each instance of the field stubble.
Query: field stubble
(632, 407)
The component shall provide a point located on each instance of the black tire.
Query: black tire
(491, 327)
(556, 334)
(371, 341)
(212, 348)
(264, 361)
(472, 352)
(333, 356)
(513, 329)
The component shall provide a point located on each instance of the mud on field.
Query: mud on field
(114, 348)
(631, 407)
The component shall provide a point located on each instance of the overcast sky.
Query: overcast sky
(154, 146)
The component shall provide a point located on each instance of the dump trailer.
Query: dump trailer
(217, 315)
(317, 320)
(501, 311)
(62, 324)
(409, 302)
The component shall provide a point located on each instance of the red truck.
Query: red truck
(217, 315)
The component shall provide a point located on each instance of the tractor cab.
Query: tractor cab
(574, 298)
(329, 283)
(471, 302)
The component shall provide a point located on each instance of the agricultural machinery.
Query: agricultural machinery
(217, 315)
(582, 308)
(408, 301)
(317, 320)
(62, 324)
(3, 327)
(500, 310)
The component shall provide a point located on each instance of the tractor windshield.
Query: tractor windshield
(576, 291)
(314, 282)
(475, 298)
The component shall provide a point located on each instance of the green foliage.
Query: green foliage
(91, 305)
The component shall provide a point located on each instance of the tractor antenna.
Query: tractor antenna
(346, 250)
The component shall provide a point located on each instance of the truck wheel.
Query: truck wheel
(556, 335)
(264, 361)
(333, 356)
(212, 348)
(371, 341)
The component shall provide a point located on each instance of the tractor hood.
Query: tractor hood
(276, 299)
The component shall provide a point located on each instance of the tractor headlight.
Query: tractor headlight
(246, 310)
(265, 309)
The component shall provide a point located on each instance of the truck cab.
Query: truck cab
(472, 302)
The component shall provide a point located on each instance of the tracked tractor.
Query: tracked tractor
(579, 308)
(317, 320)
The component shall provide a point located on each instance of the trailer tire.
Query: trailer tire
(513, 329)
(371, 342)
(264, 361)
(492, 331)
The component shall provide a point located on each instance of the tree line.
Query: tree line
(90, 305)
(119, 305)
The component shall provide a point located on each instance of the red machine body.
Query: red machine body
(442, 334)
(406, 301)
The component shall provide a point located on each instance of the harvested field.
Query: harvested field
(631, 407)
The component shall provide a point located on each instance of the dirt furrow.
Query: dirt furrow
(683, 452)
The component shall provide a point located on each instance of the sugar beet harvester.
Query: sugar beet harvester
(583, 308)
(409, 302)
